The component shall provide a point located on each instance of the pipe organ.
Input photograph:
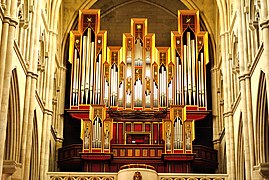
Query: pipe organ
(138, 93)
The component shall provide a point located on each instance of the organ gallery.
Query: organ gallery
(139, 103)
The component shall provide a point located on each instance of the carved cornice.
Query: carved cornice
(264, 24)
(136, 114)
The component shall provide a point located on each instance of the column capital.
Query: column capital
(263, 169)
(10, 166)
(264, 24)
(32, 75)
(10, 20)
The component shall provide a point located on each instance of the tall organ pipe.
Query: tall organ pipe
(91, 73)
(88, 59)
(84, 53)
(75, 81)
(185, 73)
(193, 71)
(189, 60)
(200, 83)
(98, 79)
(202, 79)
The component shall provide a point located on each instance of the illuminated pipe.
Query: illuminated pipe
(189, 60)
(177, 81)
(91, 73)
(164, 87)
(180, 84)
(200, 83)
(98, 89)
(100, 132)
(185, 73)
(106, 93)
(74, 77)
(160, 87)
(202, 77)
(84, 54)
(193, 71)
(88, 59)
(155, 95)
(97, 80)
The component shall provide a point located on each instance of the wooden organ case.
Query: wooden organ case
(138, 103)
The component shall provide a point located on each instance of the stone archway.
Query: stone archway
(12, 144)
(262, 132)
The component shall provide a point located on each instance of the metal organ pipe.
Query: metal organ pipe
(200, 83)
(114, 84)
(178, 81)
(88, 59)
(98, 79)
(106, 92)
(84, 53)
(91, 73)
(99, 132)
(202, 79)
(185, 73)
(75, 78)
(193, 70)
(189, 60)
(163, 85)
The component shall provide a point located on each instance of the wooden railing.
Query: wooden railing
(114, 176)
(176, 176)
(81, 176)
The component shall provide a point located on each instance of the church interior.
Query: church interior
(134, 89)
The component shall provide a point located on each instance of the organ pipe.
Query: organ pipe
(189, 61)
(193, 71)
(83, 62)
(202, 80)
(179, 80)
(185, 74)
(88, 59)
(98, 79)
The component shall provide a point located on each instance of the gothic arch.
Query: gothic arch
(262, 124)
(34, 151)
(240, 152)
(12, 146)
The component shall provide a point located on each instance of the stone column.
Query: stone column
(242, 47)
(30, 93)
(265, 32)
(6, 69)
(225, 89)
(53, 38)
(228, 112)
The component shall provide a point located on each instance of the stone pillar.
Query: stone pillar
(243, 56)
(228, 106)
(225, 118)
(53, 38)
(30, 93)
(6, 69)
(265, 32)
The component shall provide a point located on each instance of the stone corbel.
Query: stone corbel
(263, 169)
(12, 168)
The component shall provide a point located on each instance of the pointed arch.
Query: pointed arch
(34, 151)
(262, 125)
(240, 152)
(12, 146)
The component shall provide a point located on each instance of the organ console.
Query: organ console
(138, 93)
